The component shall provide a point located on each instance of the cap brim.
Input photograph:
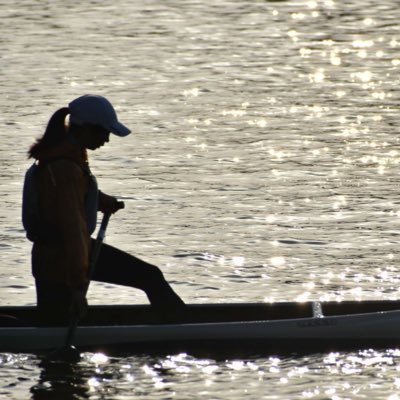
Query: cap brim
(119, 129)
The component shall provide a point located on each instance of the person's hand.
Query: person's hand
(109, 204)
(79, 304)
(117, 205)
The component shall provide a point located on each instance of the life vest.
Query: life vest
(31, 219)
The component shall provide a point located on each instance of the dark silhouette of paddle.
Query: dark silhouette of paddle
(69, 352)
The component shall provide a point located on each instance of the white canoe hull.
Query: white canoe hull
(361, 328)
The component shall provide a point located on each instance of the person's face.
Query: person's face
(92, 136)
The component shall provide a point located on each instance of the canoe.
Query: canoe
(237, 327)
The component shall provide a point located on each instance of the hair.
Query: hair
(54, 134)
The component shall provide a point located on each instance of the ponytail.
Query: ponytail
(55, 133)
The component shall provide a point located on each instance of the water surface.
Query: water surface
(263, 167)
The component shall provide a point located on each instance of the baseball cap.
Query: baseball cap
(96, 110)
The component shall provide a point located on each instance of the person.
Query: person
(67, 202)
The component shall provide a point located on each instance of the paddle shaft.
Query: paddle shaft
(92, 264)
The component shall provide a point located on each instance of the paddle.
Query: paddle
(69, 352)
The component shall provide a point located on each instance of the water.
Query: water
(263, 167)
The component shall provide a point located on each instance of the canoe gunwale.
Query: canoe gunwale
(204, 313)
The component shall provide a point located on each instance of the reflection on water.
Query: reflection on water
(330, 375)
(62, 381)
(264, 162)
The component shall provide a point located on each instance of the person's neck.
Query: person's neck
(72, 138)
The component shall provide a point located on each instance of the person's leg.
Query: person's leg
(117, 267)
(53, 303)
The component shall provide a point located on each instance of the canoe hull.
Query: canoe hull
(333, 332)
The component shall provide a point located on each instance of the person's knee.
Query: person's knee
(154, 273)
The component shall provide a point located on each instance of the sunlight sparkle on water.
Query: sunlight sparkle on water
(318, 76)
(369, 22)
(362, 53)
(93, 383)
(209, 369)
(191, 92)
(335, 59)
(270, 219)
(365, 76)
(277, 261)
(238, 261)
(340, 93)
(362, 43)
(303, 297)
(99, 358)
(261, 123)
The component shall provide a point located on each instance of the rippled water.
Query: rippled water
(263, 167)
